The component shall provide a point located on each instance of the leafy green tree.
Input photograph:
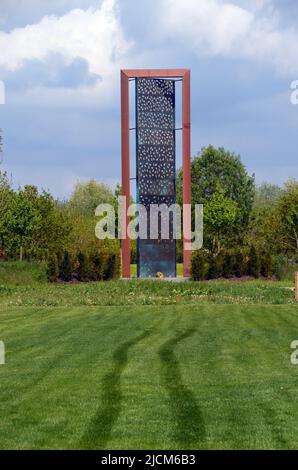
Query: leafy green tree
(287, 210)
(87, 196)
(23, 216)
(263, 227)
(219, 217)
(6, 195)
(82, 237)
(262, 230)
(81, 210)
(36, 224)
(266, 196)
(217, 168)
(52, 232)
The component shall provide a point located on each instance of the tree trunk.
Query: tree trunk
(21, 252)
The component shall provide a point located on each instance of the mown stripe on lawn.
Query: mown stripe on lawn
(100, 428)
(189, 425)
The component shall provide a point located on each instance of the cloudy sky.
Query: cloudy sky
(60, 62)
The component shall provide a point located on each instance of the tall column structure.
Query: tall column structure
(155, 99)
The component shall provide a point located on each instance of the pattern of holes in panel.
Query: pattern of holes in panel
(157, 159)
(155, 137)
(146, 200)
(156, 104)
(155, 133)
(157, 186)
(153, 120)
(158, 87)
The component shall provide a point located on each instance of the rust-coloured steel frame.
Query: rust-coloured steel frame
(184, 74)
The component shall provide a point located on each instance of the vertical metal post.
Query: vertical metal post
(125, 158)
(186, 169)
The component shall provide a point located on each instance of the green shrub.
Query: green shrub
(284, 268)
(228, 265)
(83, 268)
(215, 267)
(101, 263)
(66, 268)
(59, 255)
(266, 265)
(239, 268)
(199, 265)
(52, 268)
(253, 263)
(96, 266)
(97, 263)
(112, 266)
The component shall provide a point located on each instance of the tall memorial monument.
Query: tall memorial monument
(155, 130)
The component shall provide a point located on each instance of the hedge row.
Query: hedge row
(98, 266)
(233, 263)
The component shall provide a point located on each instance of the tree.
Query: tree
(87, 196)
(262, 229)
(52, 232)
(263, 222)
(219, 217)
(23, 215)
(36, 224)
(6, 195)
(287, 211)
(82, 237)
(217, 168)
(266, 196)
(81, 210)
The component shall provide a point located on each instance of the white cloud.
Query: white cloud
(94, 34)
(239, 29)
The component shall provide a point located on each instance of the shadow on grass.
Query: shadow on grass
(189, 423)
(99, 431)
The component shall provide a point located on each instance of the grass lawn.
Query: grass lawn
(137, 364)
